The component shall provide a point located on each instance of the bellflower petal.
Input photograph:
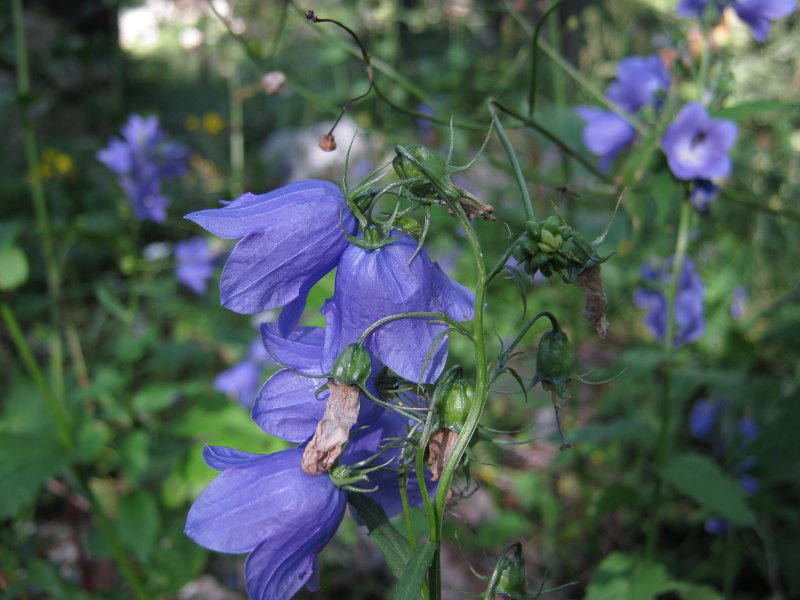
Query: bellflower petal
(288, 407)
(244, 507)
(291, 238)
(301, 349)
(759, 14)
(697, 146)
(692, 8)
(373, 284)
(606, 133)
(639, 78)
(221, 458)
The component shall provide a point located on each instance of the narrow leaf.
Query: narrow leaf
(415, 573)
(390, 541)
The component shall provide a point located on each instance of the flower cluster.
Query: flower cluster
(641, 82)
(141, 159)
(758, 14)
(688, 311)
(328, 397)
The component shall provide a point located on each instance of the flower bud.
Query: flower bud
(352, 366)
(327, 143)
(454, 407)
(555, 361)
(512, 582)
(455, 397)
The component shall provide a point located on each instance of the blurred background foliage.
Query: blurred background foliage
(132, 354)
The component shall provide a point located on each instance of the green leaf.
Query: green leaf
(138, 523)
(414, 575)
(134, 455)
(702, 480)
(390, 541)
(740, 112)
(14, 271)
(26, 462)
(153, 398)
(92, 438)
(624, 576)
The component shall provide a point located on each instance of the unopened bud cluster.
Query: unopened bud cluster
(554, 248)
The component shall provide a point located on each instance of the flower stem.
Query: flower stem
(663, 444)
(512, 157)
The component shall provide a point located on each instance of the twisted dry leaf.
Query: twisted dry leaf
(591, 284)
(333, 430)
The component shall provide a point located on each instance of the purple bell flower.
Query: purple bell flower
(716, 526)
(195, 264)
(241, 381)
(702, 195)
(141, 159)
(759, 14)
(697, 146)
(688, 304)
(695, 8)
(639, 79)
(289, 405)
(372, 284)
(284, 517)
(290, 239)
(606, 133)
(704, 417)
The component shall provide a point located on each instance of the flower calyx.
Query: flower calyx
(352, 367)
(452, 402)
(419, 163)
(555, 361)
(509, 580)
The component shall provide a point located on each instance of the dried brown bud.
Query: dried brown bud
(591, 284)
(440, 446)
(273, 82)
(328, 143)
(341, 412)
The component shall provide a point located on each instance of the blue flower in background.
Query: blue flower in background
(702, 195)
(606, 134)
(372, 284)
(688, 303)
(738, 302)
(290, 239)
(284, 517)
(639, 81)
(697, 146)
(241, 381)
(195, 264)
(704, 418)
(757, 14)
(141, 159)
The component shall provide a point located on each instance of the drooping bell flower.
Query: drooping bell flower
(689, 319)
(639, 81)
(195, 264)
(268, 506)
(241, 381)
(606, 133)
(141, 159)
(290, 239)
(375, 283)
(697, 146)
(703, 194)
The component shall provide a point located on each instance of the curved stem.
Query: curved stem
(662, 447)
(535, 54)
(512, 157)
(408, 315)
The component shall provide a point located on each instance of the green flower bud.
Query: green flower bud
(552, 224)
(454, 407)
(528, 245)
(555, 361)
(519, 254)
(417, 162)
(512, 582)
(533, 229)
(352, 366)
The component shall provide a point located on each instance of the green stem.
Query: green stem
(512, 157)
(236, 139)
(481, 386)
(663, 444)
(110, 535)
(535, 55)
(57, 410)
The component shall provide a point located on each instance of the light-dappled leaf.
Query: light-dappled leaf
(138, 523)
(702, 480)
(13, 267)
(740, 112)
(624, 576)
(415, 574)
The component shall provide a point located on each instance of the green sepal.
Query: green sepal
(555, 361)
(352, 366)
